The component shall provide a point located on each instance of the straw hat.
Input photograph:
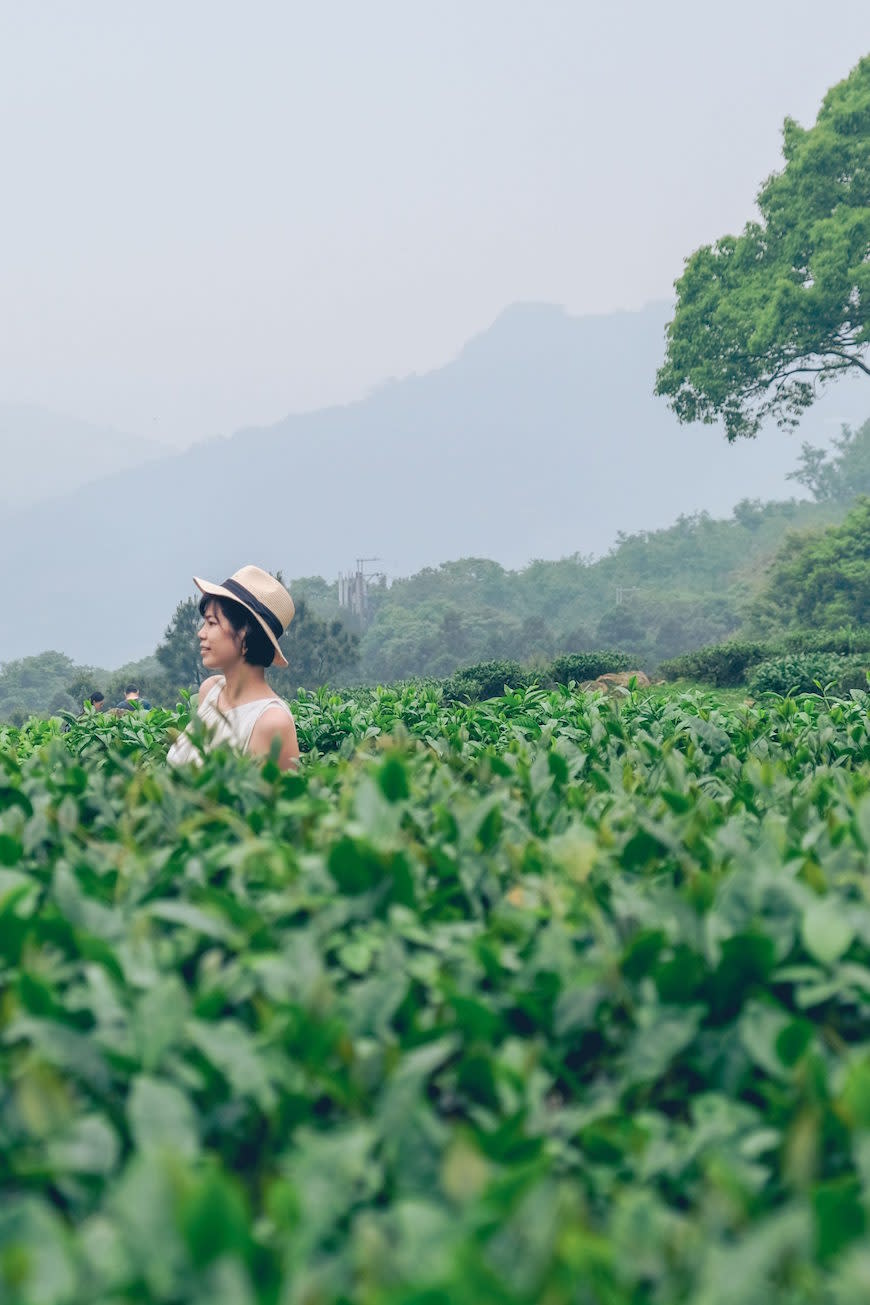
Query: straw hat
(264, 597)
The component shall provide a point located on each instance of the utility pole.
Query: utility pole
(353, 589)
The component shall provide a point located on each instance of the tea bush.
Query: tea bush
(489, 679)
(587, 666)
(810, 672)
(846, 641)
(485, 680)
(722, 664)
(555, 998)
(730, 664)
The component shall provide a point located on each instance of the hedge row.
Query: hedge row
(490, 679)
(809, 673)
(729, 664)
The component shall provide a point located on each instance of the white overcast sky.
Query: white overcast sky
(214, 213)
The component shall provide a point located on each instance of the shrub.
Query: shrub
(485, 680)
(729, 664)
(587, 665)
(846, 641)
(819, 579)
(722, 664)
(805, 672)
(311, 1036)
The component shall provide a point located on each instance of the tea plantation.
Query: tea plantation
(551, 999)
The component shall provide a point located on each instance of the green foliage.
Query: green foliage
(766, 319)
(434, 636)
(149, 675)
(621, 626)
(38, 685)
(85, 682)
(730, 664)
(845, 640)
(724, 664)
(52, 683)
(494, 1002)
(586, 666)
(685, 587)
(837, 476)
(179, 652)
(810, 672)
(486, 680)
(318, 650)
(820, 579)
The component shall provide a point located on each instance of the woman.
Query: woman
(243, 620)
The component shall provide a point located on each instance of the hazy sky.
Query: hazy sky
(216, 213)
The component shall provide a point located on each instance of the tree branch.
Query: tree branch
(851, 360)
(785, 373)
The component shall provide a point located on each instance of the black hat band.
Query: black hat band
(244, 595)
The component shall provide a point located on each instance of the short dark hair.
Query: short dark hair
(132, 688)
(259, 649)
(98, 697)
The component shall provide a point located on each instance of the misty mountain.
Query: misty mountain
(46, 453)
(541, 439)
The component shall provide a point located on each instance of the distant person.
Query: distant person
(132, 699)
(98, 703)
(242, 621)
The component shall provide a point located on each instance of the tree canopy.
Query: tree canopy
(765, 319)
(820, 579)
(179, 652)
(839, 474)
(36, 684)
(318, 651)
(656, 594)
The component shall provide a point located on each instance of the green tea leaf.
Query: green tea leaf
(826, 931)
(160, 1115)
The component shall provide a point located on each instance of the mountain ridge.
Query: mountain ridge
(541, 438)
(47, 454)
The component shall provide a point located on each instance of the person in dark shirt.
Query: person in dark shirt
(132, 699)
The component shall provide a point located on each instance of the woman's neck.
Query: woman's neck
(243, 683)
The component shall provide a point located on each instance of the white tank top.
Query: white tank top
(233, 725)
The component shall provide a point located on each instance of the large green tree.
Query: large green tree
(434, 637)
(765, 319)
(179, 652)
(838, 474)
(820, 579)
(36, 685)
(319, 651)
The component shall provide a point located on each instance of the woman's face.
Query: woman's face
(219, 644)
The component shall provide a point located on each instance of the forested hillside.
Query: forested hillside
(542, 438)
(656, 594)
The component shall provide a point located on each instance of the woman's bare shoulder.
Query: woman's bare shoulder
(276, 722)
(276, 719)
(276, 713)
(206, 687)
